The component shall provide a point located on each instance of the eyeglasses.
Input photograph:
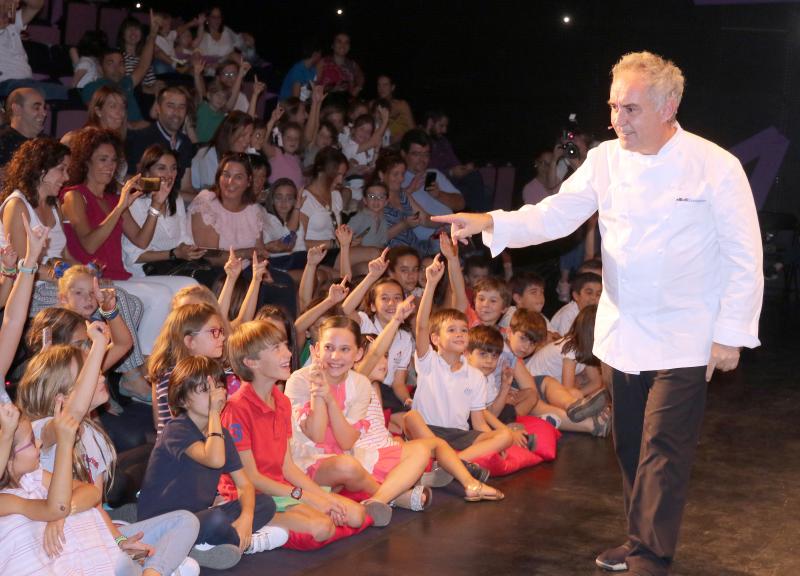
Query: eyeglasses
(228, 74)
(376, 197)
(215, 332)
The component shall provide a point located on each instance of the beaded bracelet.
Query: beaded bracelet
(8, 272)
(111, 314)
(120, 539)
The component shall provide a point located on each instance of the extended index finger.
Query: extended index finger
(712, 364)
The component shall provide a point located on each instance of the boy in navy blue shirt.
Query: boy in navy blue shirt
(185, 467)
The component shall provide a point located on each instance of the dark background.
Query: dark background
(509, 72)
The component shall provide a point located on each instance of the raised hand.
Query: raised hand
(244, 68)
(65, 424)
(405, 308)
(344, 234)
(233, 267)
(98, 333)
(317, 93)
(8, 256)
(338, 292)
(448, 248)
(258, 87)
(276, 115)
(435, 271)
(9, 418)
(316, 254)
(106, 297)
(378, 266)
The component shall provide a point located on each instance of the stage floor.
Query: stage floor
(742, 517)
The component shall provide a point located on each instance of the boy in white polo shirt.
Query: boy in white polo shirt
(450, 394)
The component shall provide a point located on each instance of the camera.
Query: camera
(568, 135)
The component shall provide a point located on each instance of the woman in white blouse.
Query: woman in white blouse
(171, 246)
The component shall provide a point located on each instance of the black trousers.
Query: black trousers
(656, 426)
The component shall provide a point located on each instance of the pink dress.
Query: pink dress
(109, 254)
(236, 229)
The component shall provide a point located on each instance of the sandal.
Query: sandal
(380, 513)
(417, 499)
(602, 423)
(475, 493)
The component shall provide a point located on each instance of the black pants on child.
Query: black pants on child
(216, 523)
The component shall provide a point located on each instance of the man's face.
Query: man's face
(172, 111)
(438, 128)
(639, 125)
(29, 118)
(113, 67)
(589, 294)
(227, 75)
(417, 158)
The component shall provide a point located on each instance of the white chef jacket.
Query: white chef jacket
(682, 256)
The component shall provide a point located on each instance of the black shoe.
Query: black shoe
(480, 474)
(614, 559)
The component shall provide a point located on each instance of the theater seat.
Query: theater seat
(67, 120)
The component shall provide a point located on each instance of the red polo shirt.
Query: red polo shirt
(256, 427)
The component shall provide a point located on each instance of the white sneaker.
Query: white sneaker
(267, 538)
(189, 567)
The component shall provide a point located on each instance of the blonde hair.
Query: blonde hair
(71, 273)
(247, 341)
(169, 347)
(664, 79)
(47, 375)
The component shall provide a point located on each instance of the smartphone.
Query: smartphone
(430, 179)
(150, 184)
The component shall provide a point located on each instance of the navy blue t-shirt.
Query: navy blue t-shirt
(173, 480)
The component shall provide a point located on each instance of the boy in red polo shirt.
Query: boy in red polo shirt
(259, 419)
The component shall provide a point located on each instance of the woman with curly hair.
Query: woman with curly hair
(99, 217)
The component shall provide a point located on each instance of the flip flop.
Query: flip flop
(475, 493)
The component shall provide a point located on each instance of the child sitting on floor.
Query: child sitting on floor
(187, 462)
(260, 357)
(450, 391)
(585, 289)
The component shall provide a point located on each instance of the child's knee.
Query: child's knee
(505, 437)
(349, 468)
(321, 528)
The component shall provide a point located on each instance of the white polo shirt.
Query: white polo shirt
(446, 398)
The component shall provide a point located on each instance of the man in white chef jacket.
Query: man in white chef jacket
(682, 287)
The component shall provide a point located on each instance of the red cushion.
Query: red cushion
(298, 541)
(515, 459)
(547, 436)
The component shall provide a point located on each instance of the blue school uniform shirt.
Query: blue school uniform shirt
(297, 73)
(173, 480)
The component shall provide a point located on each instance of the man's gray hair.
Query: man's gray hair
(664, 79)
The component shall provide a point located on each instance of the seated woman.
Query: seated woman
(171, 251)
(227, 216)
(217, 41)
(233, 135)
(34, 177)
(321, 209)
(98, 218)
(108, 109)
(401, 212)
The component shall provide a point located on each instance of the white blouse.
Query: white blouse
(56, 242)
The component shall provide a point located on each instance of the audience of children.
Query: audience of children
(214, 486)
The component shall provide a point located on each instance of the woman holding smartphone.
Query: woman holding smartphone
(97, 217)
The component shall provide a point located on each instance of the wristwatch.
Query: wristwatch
(32, 270)
(296, 493)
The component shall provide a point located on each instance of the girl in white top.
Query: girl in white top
(381, 297)
(329, 409)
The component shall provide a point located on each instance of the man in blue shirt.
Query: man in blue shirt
(302, 73)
